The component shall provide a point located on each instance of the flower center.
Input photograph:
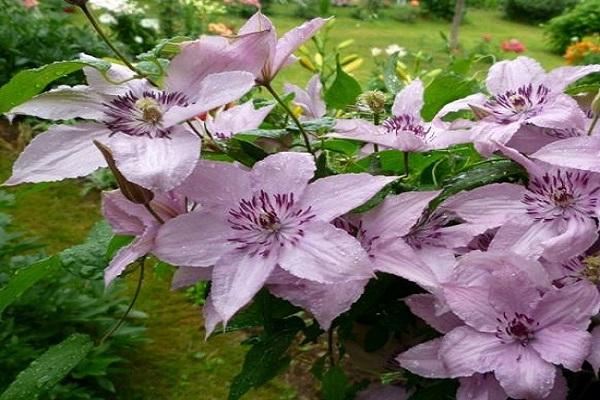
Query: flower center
(562, 194)
(266, 222)
(526, 101)
(426, 232)
(592, 269)
(519, 327)
(141, 115)
(404, 123)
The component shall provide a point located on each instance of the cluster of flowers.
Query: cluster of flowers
(509, 271)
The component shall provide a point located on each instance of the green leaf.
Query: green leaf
(440, 390)
(390, 77)
(266, 359)
(335, 384)
(492, 171)
(117, 243)
(91, 257)
(25, 278)
(444, 89)
(30, 82)
(165, 48)
(343, 91)
(48, 369)
(245, 151)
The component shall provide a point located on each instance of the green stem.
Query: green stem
(292, 116)
(593, 125)
(406, 167)
(121, 320)
(330, 347)
(90, 16)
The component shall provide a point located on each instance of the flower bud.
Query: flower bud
(132, 191)
(596, 104)
(372, 100)
(78, 3)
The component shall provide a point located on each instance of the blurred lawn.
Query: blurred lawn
(179, 364)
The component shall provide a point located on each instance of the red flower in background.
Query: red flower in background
(513, 45)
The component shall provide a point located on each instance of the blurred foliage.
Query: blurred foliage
(34, 37)
(536, 10)
(582, 20)
(65, 301)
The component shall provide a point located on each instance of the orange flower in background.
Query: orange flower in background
(577, 51)
(220, 29)
(30, 3)
(414, 3)
(513, 45)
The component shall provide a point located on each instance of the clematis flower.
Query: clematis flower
(137, 121)
(555, 217)
(130, 219)
(405, 130)
(308, 100)
(594, 357)
(237, 119)
(524, 101)
(279, 51)
(517, 332)
(253, 221)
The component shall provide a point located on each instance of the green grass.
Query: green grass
(178, 363)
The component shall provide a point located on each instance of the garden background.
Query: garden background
(161, 352)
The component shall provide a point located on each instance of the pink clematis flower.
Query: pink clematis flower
(405, 130)
(308, 100)
(279, 51)
(237, 119)
(526, 103)
(137, 121)
(128, 218)
(253, 221)
(555, 217)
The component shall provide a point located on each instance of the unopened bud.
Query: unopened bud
(372, 100)
(78, 3)
(596, 104)
(132, 191)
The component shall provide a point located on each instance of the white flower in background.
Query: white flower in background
(118, 6)
(138, 39)
(107, 19)
(150, 23)
(376, 51)
(394, 48)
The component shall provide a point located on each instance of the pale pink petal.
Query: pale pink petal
(283, 173)
(258, 22)
(237, 119)
(114, 82)
(64, 102)
(560, 389)
(324, 301)
(480, 387)
(571, 305)
(513, 74)
(214, 91)
(141, 246)
(425, 306)
(409, 142)
(574, 237)
(560, 113)
(594, 357)
(237, 277)
(577, 152)
(212, 54)
(211, 316)
(217, 184)
(526, 237)
(64, 151)
(397, 214)
(290, 42)
(424, 360)
(196, 239)
(310, 99)
(438, 122)
(490, 205)
(459, 236)
(188, 276)
(326, 254)
(534, 168)
(358, 129)
(487, 135)
(559, 78)
(465, 351)
(524, 374)
(443, 138)
(125, 217)
(563, 344)
(472, 305)
(334, 196)
(409, 100)
(156, 163)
